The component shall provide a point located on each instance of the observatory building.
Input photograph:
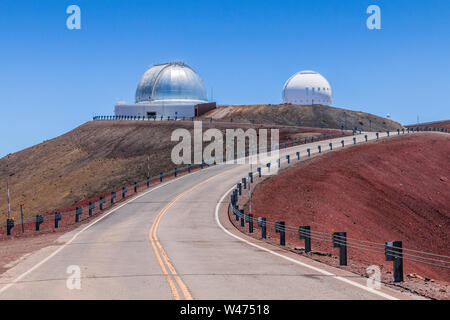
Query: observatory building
(169, 90)
(307, 88)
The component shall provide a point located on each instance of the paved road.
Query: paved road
(170, 243)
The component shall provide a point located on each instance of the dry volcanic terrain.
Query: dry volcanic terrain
(99, 157)
(318, 116)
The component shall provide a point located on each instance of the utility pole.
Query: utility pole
(21, 215)
(9, 205)
(148, 166)
(250, 191)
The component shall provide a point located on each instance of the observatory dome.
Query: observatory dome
(170, 82)
(307, 88)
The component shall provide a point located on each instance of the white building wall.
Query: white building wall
(138, 109)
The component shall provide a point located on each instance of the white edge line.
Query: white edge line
(353, 283)
(7, 286)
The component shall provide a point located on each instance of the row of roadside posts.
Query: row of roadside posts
(393, 250)
(175, 117)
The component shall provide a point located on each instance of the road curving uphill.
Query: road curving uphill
(175, 242)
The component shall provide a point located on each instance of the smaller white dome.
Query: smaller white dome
(307, 88)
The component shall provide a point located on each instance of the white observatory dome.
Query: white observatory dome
(170, 89)
(173, 81)
(307, 88)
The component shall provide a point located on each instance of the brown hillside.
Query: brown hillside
(310, 116)
(95, 158)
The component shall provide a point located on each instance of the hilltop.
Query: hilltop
(318, 116)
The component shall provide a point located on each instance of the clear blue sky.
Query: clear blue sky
(53, 79)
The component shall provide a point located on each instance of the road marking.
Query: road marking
(159, 251)
(7, 286)
(353, 283)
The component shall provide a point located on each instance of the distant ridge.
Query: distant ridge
(308, 116)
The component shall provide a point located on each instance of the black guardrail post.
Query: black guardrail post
(39, 220)
(113, 196)
(250, 223)
(175, 172)
(9, 226)
(189, 168)
(331, 146)
(91, 208)
(279, 163)
(259, 171)
(312, 139)
(250, 176)
(398, 132)
(102, 200)
(340, 241)
(268, 166)
(124, 192)
(403, 130)
(388, 133)
(244, 182)
(378, 135)
(263, 228)
(394, 252)
(242, 217)
(305, 233)
(57, 219)
(280, 228)
(148, 182)
(354, 140)
(342, 142)
(203, 164)
(136, 185)
(365, 137)
(288, 157)
(161, 176)
(78, 212)
(309, 152)
(239, 186)
(298, 155)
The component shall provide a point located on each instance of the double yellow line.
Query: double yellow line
(167, 267)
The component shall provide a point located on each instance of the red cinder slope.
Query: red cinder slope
(397, 189)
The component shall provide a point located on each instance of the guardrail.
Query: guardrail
(168, 118)
(392, 250)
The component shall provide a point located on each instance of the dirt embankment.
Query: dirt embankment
(311, 116)
(435, 124)
(95, 158)
(397, 189)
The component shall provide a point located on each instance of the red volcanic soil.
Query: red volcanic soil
(396, 189)
(436, 124)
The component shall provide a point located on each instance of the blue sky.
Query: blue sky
(53, 79)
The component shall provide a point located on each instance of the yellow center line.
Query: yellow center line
(159, 251)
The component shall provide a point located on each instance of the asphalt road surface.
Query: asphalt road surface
(172, 242)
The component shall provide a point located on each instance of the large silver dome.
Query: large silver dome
(171, 82)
